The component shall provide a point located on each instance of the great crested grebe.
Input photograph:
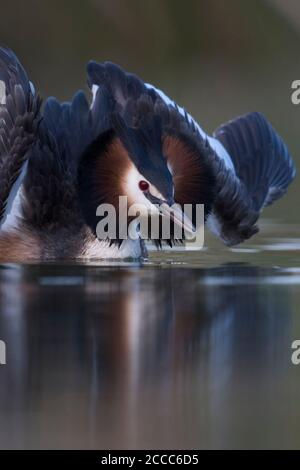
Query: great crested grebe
(59, 164)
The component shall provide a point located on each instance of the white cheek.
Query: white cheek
(133, 192)
(136, 196)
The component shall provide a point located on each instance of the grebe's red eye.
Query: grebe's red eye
(143, 185)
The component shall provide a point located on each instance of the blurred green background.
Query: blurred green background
(218, 58)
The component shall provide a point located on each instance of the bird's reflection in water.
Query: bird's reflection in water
(142, 357)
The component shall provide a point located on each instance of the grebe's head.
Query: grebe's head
(127, 162)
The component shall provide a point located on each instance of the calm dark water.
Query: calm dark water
(191, 350)
(187, 351)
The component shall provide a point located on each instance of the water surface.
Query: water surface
(189, 350)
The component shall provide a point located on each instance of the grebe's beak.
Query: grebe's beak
(173, 211)
(176, 214)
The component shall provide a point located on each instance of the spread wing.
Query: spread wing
(242, 168)
(19, 118)
(50, 186)
(264, 169)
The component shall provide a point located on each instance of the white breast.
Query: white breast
(100, 249)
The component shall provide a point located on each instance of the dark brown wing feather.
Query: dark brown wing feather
(19, 118)
(50, 186)
(264, 170)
